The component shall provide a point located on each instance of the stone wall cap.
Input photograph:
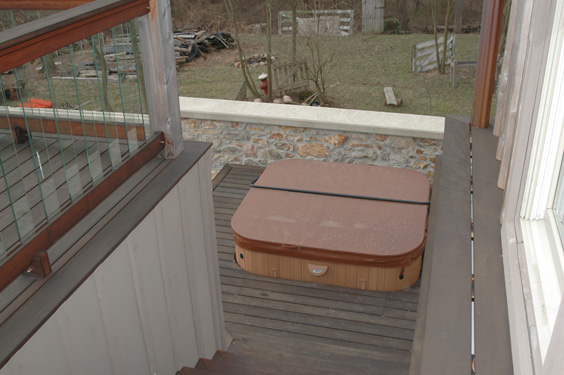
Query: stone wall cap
(395, 124)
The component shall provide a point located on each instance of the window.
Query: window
(558, 206)
(542, 211)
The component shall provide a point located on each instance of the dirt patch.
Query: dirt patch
(221, 57)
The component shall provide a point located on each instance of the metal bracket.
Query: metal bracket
(20, 135)
(40, 266)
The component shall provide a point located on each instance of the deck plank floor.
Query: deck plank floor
(281, 318)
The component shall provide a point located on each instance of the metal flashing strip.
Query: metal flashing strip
(473, 310)
(253, 185)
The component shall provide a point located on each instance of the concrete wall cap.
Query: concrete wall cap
(395, 124)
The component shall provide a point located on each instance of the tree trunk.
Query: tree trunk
(458, 16)
(434, 11)
(294, 30)
(101, 66)
(250, 83)
(441, 59)
(448, 16)
(269, 49)
(401, 14)
(134, 35)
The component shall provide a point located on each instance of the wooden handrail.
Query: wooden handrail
(41, 4)
(72, 127)
(26, 42)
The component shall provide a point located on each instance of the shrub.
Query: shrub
(392, 26)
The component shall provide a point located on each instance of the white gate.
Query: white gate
(317, 22)
(424, 55)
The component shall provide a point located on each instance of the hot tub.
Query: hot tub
(348, 225)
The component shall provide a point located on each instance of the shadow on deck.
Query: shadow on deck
(350, 329)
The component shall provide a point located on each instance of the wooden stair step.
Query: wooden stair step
(292, 366)
(289, 343)
(217, 356)
(233, 368)
(312, 355)
(192, 371)
(349, 368)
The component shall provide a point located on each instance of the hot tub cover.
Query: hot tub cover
(331, 228)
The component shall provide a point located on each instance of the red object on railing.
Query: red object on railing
(37, 103)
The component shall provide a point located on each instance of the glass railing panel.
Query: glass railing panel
(67, 120)
(86, 96)
(105, 96)
(45, 194)
(16, 221)
(123, 63)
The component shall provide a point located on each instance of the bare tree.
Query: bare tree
(139, 66)
(458, 16)
(231, 9)
(294, 6)
(320, 62)
(441, 60)
(401, 14)
(102, 67)
(269, 49)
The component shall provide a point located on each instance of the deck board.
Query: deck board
(493, 343)
(268, 315)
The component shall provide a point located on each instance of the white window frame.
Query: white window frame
(542, 242)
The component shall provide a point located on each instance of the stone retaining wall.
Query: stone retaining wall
(260, 145)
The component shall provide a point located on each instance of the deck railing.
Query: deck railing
(74, 123)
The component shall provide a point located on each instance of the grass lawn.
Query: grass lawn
(362, 66)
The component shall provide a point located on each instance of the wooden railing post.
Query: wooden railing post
(157, 54)
(487, 63)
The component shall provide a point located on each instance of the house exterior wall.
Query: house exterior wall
(151, 307)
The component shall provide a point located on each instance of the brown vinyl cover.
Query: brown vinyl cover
(337, 229)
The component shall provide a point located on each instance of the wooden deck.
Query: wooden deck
(353, 330)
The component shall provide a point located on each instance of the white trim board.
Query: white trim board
(394, 124)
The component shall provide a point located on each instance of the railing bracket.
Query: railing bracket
(20, 135)
(40, 266)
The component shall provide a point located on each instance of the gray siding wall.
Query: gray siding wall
(153, 306)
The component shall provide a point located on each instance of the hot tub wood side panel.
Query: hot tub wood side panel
(338, 274)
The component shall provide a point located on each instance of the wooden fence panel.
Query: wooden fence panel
(424, 55)
(317, 22)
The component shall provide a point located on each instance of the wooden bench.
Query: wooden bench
(289, 77)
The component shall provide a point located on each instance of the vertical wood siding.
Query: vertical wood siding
(153, 306)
